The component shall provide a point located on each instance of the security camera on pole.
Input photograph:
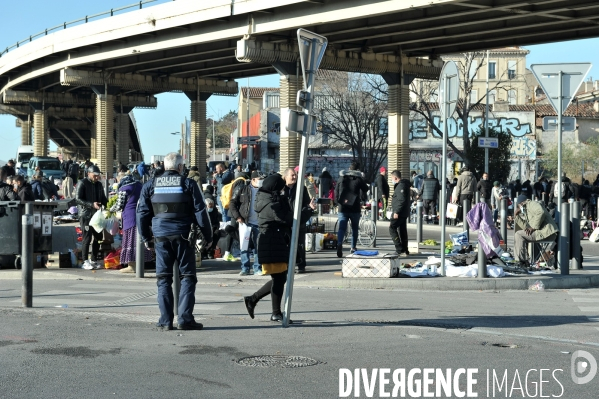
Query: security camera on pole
(449, 88)
(311, 48)
(561, 82)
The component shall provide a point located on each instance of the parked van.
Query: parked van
(49, 166)
(24, 154)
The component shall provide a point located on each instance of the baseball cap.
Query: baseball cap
(521, 198)
(382, 169)
(257, 175)
(496, 183)
(94, 169)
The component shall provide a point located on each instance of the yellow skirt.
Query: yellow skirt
(274, 268)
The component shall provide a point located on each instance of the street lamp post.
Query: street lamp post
(213, 139)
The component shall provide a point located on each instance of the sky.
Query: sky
(155, 126)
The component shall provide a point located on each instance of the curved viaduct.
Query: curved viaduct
(93, 74)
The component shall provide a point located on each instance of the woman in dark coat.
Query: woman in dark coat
(275, 218)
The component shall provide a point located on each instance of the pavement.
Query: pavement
(92, 334)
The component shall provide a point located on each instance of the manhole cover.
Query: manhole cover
(277, 361)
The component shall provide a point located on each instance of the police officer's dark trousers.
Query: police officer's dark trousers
(168, 251)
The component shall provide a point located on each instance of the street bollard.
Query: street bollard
(476, 197)
(563, 254)
(544, 198)
(176, 287)
(482, 260)
(375, 213)
(575, 239)
(503, 219)
(320, 195)
(419, 222)
(139, 256)
(27, 256)
(466, 205)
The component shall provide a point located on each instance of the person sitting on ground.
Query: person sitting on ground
(215, 220)
(536, 224)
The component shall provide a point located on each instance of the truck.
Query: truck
(24, 154)
(155, 158)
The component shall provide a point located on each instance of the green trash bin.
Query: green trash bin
(11, 229)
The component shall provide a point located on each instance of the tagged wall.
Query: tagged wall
(520, 125)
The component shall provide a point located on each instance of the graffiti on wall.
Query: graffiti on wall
(516, 126)
(523, 147)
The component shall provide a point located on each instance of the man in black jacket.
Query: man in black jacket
(484, 188)
(90, 199)
(289, 190)
(241, 209)
(400, 206)
(9, 168)
(430, 194)
(383, 189)
(348, 192)
(7, 192)
(23, 189)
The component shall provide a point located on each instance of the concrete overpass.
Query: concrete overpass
(196, 48)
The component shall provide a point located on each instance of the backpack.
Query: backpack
(227, 192)
(564, 190)
(73, 170)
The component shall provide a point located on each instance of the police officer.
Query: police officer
(168, 206)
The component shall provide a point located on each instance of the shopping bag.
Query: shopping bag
(245, 233)
(318, 242)
(98, 222)
(594, 235)
(113, 260)
(452, 211)
(112, 225)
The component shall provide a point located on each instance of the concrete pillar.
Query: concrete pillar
(291, 143)
(105, 133)
(40, 126)
(122, 137)
(197, 156)
(398, 114)
(25, 133)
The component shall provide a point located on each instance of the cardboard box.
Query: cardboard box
(382, 265)
(58, 261)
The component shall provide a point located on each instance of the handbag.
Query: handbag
(347, 198)
(452, 211)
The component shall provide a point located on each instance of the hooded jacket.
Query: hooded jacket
(466, 184)
(484, 187)
(400, 202)
(275, 219)
(25, 193)
(7, 193)
(351, 185)
(383, 186)
(325, 182)
(195, 175)
(89, 192)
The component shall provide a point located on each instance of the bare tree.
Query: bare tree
(351, 112)
(425, 93)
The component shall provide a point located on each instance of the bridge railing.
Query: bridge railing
(86, 19)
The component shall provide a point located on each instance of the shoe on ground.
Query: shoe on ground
(351, 251)
(403, 254)
(244, 273)
(259, 273)
(97, 265)
(249, 305)
(128, 269)
(163, 327)
(278, 318)
(340, 251)
(459, 224)
(300, 271)
(87, 265)
(194, 325)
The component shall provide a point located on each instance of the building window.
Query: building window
(511, 69)
(511, 97)
(492, 96)
(473, 70)
(473, 96)
(492, 69)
